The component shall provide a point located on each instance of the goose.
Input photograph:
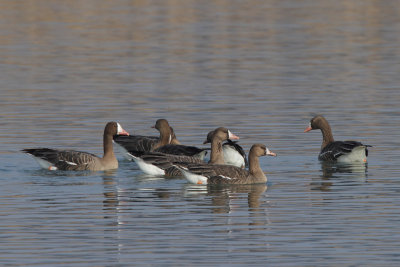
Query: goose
(71, 160)
(337, 151)
(155, 163)
(215, 174)
(233, 152)
(167, 143)
(138, 144)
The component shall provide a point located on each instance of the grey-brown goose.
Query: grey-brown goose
(71, 160)
(137, 145)
(337, 151)
(228, 174)
(167, 143)
(163, 164)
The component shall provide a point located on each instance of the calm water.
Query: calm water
(262, 69)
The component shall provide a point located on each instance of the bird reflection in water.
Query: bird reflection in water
(224, 196)
(333, 172)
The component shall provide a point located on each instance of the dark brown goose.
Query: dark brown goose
(337, 151)
(228, 174)
(70, 160)
(137, 145)
(162, 164)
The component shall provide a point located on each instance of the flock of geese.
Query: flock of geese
(165, 155)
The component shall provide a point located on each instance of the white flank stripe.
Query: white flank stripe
(225, 177)
(71, 163)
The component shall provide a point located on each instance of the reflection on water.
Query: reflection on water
(358, 170)
(223, 196)
(334, 173)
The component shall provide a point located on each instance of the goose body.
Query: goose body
(71, 160)
(137, 145)
(337, 151)
(228, 174)
(156, 163)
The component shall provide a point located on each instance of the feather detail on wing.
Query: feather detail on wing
(180, 150)
(137, 145)
(64, 160)
(336, 149)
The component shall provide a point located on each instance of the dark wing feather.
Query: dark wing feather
(137, 145)
(334, 150)
(164, 161)
(179, 150)
(68, 160)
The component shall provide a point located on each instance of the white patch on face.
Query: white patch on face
(170, 139)
(229, 134)
(119, 128)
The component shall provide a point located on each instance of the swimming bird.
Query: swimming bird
(138, 144)
(228, 174)
(71, 160)
(155, 163)
(167, 143)
(337, 151)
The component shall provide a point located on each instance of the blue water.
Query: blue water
(261, 69)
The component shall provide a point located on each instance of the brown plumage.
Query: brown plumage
(155, 163)
(337, 151)
(70, 160)
(137, 145)
(227, 174)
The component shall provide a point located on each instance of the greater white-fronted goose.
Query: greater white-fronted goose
(70, 160)
(162, 164)
(167, 143)
(228, 174)
(233, 152)
(137, 145)
(337, 151)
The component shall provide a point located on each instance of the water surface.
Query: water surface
(262, 69)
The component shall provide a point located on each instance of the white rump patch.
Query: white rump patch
(45, 164)
(147, 168)
(194, 178)
(356, 155)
